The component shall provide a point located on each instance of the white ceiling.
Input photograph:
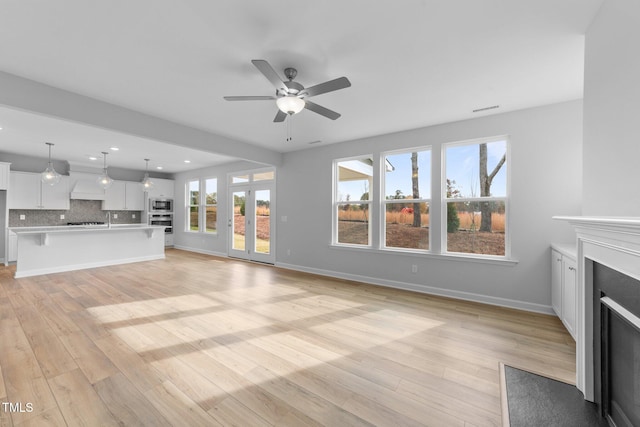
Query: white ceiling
(412, 63)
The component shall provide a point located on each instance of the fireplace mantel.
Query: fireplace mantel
(611, 241)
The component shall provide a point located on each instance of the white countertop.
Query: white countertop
(83, 228)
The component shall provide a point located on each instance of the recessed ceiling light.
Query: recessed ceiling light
(159, 167)
(93, 158)
(114, 148)
(0, 127)
(187, 161)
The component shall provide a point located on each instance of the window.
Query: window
(383, 200)
(407, 189)
(193, 207)
(202, 206)
(211, 205)
(351, 207)
(475, 197)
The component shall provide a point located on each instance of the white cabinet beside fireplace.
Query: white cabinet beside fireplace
(564, 285)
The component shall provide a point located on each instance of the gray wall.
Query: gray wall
(611, 111)
(546, 180)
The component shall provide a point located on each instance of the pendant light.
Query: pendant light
(105, 180)
(50, 176)
(147, 184)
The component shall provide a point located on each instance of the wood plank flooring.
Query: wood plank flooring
(203, 341)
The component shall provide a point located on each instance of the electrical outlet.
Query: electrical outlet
(414, 268)
(133, 216)
(283, 218)
(23, 217)
(61, 216)
(115, 216)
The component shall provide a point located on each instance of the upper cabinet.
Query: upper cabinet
(26, 191)
(124, 196)
(162, 188)
(4, 175)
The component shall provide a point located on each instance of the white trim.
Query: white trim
(429, 290)
(451, 256)
(621, 311)
(201, 251)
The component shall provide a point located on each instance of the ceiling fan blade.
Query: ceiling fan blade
(271, 75)
(321, 110)
(280, 116)
(249, 98)
(330, 86)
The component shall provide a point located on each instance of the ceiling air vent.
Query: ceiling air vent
(486, 108)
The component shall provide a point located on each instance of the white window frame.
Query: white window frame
(384, 202)
(506, 199)
(337, 203)
(205, 205)
(189, 205)
(201, 205)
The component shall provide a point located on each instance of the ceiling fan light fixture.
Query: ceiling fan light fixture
(290, 104)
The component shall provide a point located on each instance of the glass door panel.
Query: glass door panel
(238, 222)
(262, 221)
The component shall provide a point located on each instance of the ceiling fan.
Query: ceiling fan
(291, 97)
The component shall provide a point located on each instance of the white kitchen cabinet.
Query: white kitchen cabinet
(26, 191)
(162, 188)
(4, 175)
(124, 196)
(564, 285)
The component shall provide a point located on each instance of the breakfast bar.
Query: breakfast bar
(44, 250)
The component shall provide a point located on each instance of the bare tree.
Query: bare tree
(417, 216)
(485, 186)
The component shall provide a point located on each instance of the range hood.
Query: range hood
(84, 186)
(85, 189)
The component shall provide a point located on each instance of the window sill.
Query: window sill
(487, 259)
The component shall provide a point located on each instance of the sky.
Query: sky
(462, 165)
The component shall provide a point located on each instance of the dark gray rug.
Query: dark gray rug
(534, 401)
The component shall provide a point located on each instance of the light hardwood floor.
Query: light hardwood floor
(195, 340)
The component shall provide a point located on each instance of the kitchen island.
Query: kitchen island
(44, 250)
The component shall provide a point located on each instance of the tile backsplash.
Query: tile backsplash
(80, 211)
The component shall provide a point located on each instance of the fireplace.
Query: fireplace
(607, 345)
(616, 339)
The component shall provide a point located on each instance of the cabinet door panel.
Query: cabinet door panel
(569, 292)
(114, 197)
(56, 196)
(556, 282)
(134, 196)
(24, 191)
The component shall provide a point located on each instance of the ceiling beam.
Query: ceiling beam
(28, 95)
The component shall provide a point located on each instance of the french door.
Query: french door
(251, 222)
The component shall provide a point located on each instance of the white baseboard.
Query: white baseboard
(201, 251)
(430, 290)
